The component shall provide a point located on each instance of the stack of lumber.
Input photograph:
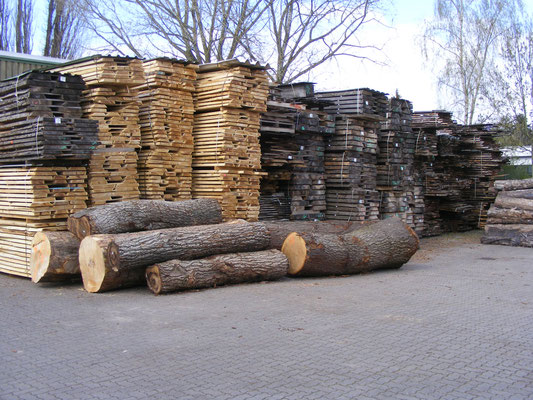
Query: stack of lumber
(510, 218)
(44, 147)
(40, 119)
(350, 165)
(363, 101)
(166, 113)
(226, 162)
(111, 100)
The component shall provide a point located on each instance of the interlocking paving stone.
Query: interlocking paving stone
(455, 322)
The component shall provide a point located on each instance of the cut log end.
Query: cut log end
(92, 264)
(153, 279)
(295, 250)
(40, 256)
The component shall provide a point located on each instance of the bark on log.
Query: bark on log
(508, 235)
(386, 244)
(280, 230)
(143, 215)
(112, 261)
(223, 269)
(521, 194)
(54, 257)
(514, 184)
(512, 202)
(507, 216)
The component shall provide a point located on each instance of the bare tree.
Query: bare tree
(5, 21)
(64, 30)
(23, 26)
(464, 36)
(307, 33)
(199, 31)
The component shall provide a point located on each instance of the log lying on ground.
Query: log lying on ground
(514, 184)
(112, 261)
(384, 245)
(503, 201)
(508, 235)
(54, 257)
(498, 215)
(520, 194)
(280, 230)
(144, 215)
(223, 269)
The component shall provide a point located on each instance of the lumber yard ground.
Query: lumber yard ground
(456, 322)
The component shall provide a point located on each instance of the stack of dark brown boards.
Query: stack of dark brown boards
(110, 99)
(226, 162)
(166, 113)
(350, 159)
(510, 219)
(399, 196)
(44, 148)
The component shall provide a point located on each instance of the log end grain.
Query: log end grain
(153, 279)
(81, 227)
(92, 264)
(40, 256)
(295, 249)
(54, 257)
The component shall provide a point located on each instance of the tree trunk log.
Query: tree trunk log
(503, 201)
(113, 261)
(514, 184)
(223, 269)
(280, 230)
(386, 244)
(54, 257)
(508, 235)
(144, 215)
(504, 216)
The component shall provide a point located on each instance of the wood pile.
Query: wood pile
(363, 101)
(44, 147)
(166, 112)
(226, 162)
(510, 218)
(110, 99)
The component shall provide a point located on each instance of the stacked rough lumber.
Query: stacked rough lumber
(510, 218)
(363, 101)
(111, 100)
(228, 100)
(166, 113)
(350, 164)
(44, 144)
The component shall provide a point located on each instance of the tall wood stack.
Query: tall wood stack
(399, 195)
(110, 99)
(166, 113)
(226, 163)
(44, 147)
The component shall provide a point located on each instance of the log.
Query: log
(505, 216)
(223, 269)
(143, 215)
(280, 230)
(54, 257)
(514, 184)
(520, 194)
(112, 261)
(508, 235)
(503, 201)
(383, 245)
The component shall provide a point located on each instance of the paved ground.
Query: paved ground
(454, 323)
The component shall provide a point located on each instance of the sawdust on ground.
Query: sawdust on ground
(431, 246)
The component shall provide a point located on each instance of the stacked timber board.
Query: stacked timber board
(368, 102)
(166, 113)
(44, 147)
(111, 100)
(510, 218)
(226, 161)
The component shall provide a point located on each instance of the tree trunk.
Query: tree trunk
(508, 235)
(54, 257)
(224, 269)
(503, 201)
(519, 194)
(514, 184)
(386, 244)
(280, 230)
(112, 261)
(144, 215)
(498, 215)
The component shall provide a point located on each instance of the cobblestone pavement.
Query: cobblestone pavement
(456, 322)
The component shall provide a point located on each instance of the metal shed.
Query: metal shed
(13, 64)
